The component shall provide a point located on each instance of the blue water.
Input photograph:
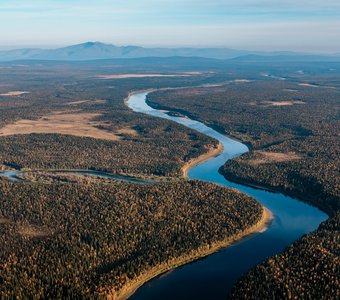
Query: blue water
(214, 276)
(11, 175)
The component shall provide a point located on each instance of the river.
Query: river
(214, 276)
(13, 175)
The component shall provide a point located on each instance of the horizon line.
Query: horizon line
(58, 46)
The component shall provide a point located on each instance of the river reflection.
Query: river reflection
(214, 276)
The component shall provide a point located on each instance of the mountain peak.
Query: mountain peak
(89, 44)
(92, 44)
(92, 50)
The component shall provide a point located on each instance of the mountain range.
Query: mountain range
(98, 50)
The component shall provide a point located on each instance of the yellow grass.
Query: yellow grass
(77, 124)
(128, 131)
(32, 231)
(290, 90)
(283, 103)
(85, 101)
(14, 93)
(77, 102)
(193, 73)
(242, 80)
(124, 76)
(272, 157)
(308, 85)
(5, 221)
(277, 103)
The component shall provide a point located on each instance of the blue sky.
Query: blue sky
(303, 25)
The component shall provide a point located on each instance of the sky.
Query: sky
(299, 25)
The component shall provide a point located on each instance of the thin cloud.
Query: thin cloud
(234, 23)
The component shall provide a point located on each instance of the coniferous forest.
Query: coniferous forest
(74, 236)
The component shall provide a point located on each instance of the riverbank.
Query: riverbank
(213, 152)
(131, 286)
(291, 193)
(126, 99)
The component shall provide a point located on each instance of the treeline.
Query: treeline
(85, 240)
(247, 110)
(314, 177)
(309, 269)
(159, 147)
(304, 135)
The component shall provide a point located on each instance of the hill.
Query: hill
(98, 50)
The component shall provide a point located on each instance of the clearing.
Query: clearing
(77, 124)
(277, 103)
(14, 93)
(272, 157)
(5, 221)
(98, 101)
(124, 76)
(32, 231)
(308, 85)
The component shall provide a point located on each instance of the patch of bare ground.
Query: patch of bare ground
(125, 76)
(277, 103)
(193, 73)
(32, 231)
(128, 131)
(212, 152)
(14, 93)
(5, 221)
(98, 101)
(272, 157)
(242, 80)
(308, 85)
(77, 124)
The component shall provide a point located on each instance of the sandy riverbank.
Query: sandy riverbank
(195, 161)
(131, 287)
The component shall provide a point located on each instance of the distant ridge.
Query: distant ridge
(287, 58)
(98, 50)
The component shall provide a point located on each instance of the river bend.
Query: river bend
(214, 276)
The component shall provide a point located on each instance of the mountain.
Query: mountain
(97, 50)
(19, 54)
(287, 58)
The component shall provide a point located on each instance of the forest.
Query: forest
(71, 237)
(284, 276)
(291, 127)
(87, 239)
(143, 145)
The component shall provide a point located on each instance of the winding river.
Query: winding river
(13, 175)
(214, 276)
